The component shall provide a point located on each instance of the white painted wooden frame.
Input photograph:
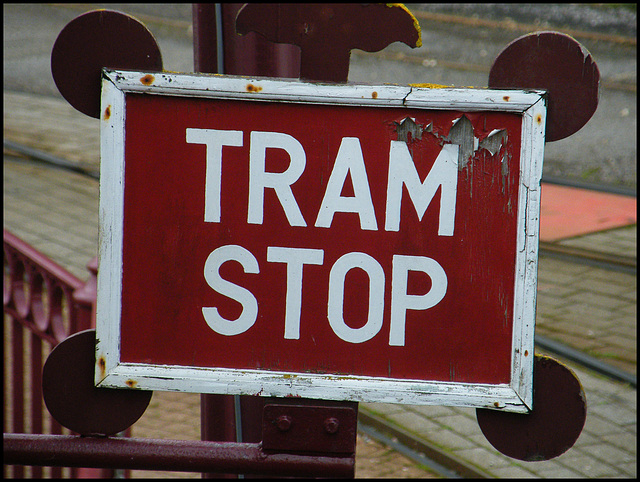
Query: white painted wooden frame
(110, 372)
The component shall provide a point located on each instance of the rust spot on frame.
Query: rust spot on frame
(539, 119)
(374, 95)
(526, 353)
(107, 113)
(131, 383)
(496, 404)
(506, 98)
(102, 364)
(147, 79)
(253, 88)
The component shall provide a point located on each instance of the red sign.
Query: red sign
(268, 232)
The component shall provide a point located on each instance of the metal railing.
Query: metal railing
(43, 304)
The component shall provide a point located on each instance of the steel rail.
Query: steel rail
(419, 451)
(591, 186)
(585, 360)
(608, 261)
(45, 157)
(507, 24)
(413, 455)
(511, 25)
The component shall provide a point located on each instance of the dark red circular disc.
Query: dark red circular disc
(554, 424)
(97, 39)
(558, 64)
(74, 401)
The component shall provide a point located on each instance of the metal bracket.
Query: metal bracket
(309, 428)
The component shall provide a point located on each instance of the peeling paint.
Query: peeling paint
(494, 141)
(408, 126)
(461, 133)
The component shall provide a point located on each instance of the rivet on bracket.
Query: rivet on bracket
(331, 425)
(283, 422)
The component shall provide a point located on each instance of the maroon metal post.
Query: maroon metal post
(285, 40)
(219, 50)
(205, 37)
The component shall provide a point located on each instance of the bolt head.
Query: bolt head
(283, 422)
(331, 425)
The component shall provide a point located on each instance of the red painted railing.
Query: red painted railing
(43, 304)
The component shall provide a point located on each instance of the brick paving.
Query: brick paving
(621, 241)
(589, 308)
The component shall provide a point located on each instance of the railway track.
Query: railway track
(421, 451)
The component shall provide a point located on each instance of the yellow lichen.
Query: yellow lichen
(438, 86)
(430, 86)
(416, 25)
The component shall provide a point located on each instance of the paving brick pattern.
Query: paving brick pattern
(621, 242)
(589, 308)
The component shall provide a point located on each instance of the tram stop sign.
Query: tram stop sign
(343, 242)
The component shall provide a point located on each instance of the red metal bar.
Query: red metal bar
(36, 392)
(17, 351)
(56, 472)
(84, 300)
(17, 379)
(174, 455)
(31, 272)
